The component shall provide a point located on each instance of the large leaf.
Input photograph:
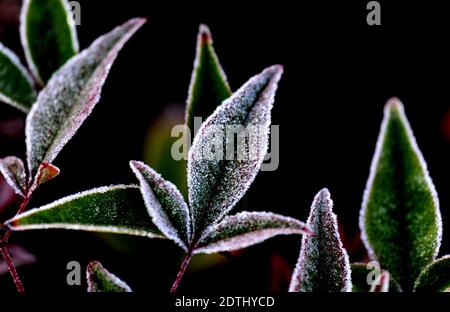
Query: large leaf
(113, 209)
(71, 95)
(435, 277)
(209, 86)
(247, 228)
(217, 183)
(400, 218)
(165, 204)
(360, 283)
(13, 170)
(16, 85)
(48, 36)
(100, 279)
(323, 264)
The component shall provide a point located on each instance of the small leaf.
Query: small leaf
(246, 229)
(400, 219)
(71, 95)
(323, 264)
(100, 279)
(382, 283)
(48, 36)
(209, 86)
(16, 85)
(360, 274)
(112, 209)
(46, 172)
(435, 277)
(217, 183)
(13, 170)
(165, 204)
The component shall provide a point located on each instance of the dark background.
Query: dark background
(339, 72)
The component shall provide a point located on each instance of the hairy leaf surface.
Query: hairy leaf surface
(100, 279)
(435, 277)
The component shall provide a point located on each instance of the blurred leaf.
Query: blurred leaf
(435, 277)
(101, 280)
(20, 257)
(209, 86)
(382, 283)
(400, 219)
(71, 95)
(323, 264)
(216, 183)
(360, 272)
(165, 204)
(112, 209)
(16, 85)
(48, 36)
(13, 170)
(246, 229)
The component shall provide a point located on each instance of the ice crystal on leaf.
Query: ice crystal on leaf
(100, 279)
(323, 264)
(13, 170)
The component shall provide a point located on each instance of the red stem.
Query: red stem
(12, 269)
(181, 272)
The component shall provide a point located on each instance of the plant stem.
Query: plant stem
(181, 272)
(12, 269)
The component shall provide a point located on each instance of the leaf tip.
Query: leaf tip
(204, 34)
(393, 105)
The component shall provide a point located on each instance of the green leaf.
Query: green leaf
(323, 264)
(216, 181)
(13, 170)
(48, 35)
(400, 219)
(360, 274)
(70, 96)
(112, 209)
(435, 277)
(16, 85)
(209, 86)
(246, 229)
(165, 204)
(101, 280)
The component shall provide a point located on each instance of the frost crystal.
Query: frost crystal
(13, 170)
(70, 96)
(323, 264)
(165, 204)
(101, 280)
(216, 185)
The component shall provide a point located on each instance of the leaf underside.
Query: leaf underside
(113, 209)
(246, 229)
(435, 277)
(13, 170)
(16, 85)
(216, 183)
(400, 218)
(323, 264)
(360, 272)
(70, 96)
(48, 36)
(101, 280)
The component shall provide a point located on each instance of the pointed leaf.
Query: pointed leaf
(400, 219)
(71, 95)
(217, 183)
(209, 86)
(13, 170)
(16, 85)
(100, 279)
(112, 209)
(246, 229)
(46, 172)
(48, 36)
(360, 282)
(435, 277)
(382, 283)
(165, 204)
(323, 264)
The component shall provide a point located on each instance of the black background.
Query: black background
(339, 72)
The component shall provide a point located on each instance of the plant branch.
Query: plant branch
(182, 270)
(12, 268)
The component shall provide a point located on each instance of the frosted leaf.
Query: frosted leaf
(16, 85)
(209, 86)
(381, 283)
(46, 172)
(13, 170)
(111, 209)
(363, 276)
(48, 35)
(165, 204)
(323, 264)
(70, 96)
(400, 219)
(246, 229)
(100, 279)
(217, 184)
(435, 277)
